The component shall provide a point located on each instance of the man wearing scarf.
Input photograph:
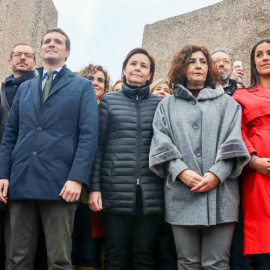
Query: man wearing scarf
(22, 62)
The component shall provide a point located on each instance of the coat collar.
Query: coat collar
(207, 93)
(259, 91)
(64, 77)
(136, 92)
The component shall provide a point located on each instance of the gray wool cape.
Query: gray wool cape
(202, 134)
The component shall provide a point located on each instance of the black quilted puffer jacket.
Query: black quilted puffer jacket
(122, 159)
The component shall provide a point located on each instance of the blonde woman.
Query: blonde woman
(161, 88)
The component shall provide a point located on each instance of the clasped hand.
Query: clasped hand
(262, 165)
(199, 183)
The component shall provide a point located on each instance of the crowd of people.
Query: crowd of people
(141, 175)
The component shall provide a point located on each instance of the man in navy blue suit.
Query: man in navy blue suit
(46, 155)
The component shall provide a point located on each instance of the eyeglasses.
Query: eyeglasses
(27, 55)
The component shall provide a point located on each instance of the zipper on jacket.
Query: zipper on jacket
(139, 132)
(138, 153)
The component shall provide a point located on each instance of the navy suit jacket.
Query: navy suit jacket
(44, 145)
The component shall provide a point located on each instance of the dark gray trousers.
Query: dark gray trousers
(57, 219)
(201, 247)
(5, 232)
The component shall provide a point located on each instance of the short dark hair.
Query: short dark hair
(58, 30)
(142, 51)
(254, 75)
(92, 69)
(18, 44)
(178, 68)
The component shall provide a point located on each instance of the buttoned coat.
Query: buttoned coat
(202, 134)
(44, 145)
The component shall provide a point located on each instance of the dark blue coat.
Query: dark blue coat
(44, 145)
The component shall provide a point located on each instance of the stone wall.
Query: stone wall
(23, 21)
(234, 24)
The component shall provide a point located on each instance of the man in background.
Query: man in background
(22, 62)
(229, 76)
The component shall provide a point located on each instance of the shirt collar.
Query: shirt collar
(57, 70)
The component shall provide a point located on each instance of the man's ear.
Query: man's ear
(9, 62)
(67, 54)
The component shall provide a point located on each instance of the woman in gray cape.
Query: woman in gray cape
(198, 148)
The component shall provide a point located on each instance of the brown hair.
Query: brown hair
(112, 88)
(178, 68)
(142, 51)
(254, 75)
(92, 69)
(58, 30)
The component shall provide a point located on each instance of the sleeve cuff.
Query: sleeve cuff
(222, 169)
(253, 157)
(94, 187)
(251, 150)
(175, 167)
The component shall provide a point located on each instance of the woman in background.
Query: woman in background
(99, 77)
(87, 239)
(117, 86)
(161, 88)
(166, 256)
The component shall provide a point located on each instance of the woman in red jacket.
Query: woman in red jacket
(255, 103)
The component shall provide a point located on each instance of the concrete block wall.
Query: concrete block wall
(234, 24)
(23, 21)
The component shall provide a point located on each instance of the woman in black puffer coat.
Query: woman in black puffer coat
(122, 185)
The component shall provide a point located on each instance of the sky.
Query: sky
(102, 32)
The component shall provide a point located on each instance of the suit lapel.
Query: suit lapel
(36, 86)
(64, 77)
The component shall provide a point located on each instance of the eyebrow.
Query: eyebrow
(53, 39)
(91, 76)
(262, 51)
(197, 58)
(139, 62)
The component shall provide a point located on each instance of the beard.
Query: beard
(17, 69)
(224, 77)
